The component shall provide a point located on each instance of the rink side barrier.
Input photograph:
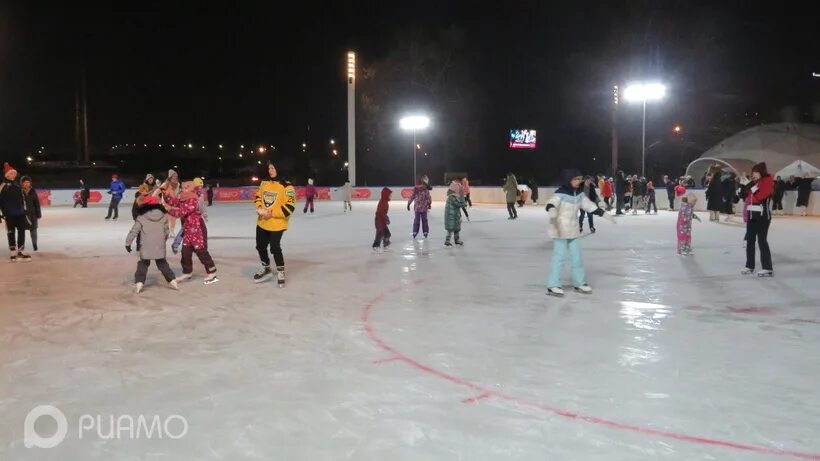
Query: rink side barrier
(484, 195)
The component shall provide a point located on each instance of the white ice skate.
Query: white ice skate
(264, 274)
(183, 277)
(173, 284)
(747, 271)
(210, 278)
(765, 273)
(280, 276)
(138, 287)
(585, 289)
(555, 291)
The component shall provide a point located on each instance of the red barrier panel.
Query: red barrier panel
(44, 196)
(360, 194)
(406, 193)
(322, 193)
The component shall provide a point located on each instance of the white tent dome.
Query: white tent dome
(779, 145)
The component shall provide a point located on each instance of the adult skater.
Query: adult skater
(170, 189)
(13, 210)
(421, 198)
(151, 227)
(82, 195)
(607, 192)
(275, 202)
(588, 189)
(650, 197)
(466, 184)
(347, 195)
(638, 193)
(620, 192)
(728, 185)
(758, 219)
(33, 212)
(116, 189)
(310, 194)
(210, 195)
(533, 192)
(714, 195)
(563, 207)
(777, 196)
(804, 193)
(670, 191)
(510, 188)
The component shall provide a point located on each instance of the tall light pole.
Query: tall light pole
(615, 96)
(643, 92)
(414, 123)
(351, 117)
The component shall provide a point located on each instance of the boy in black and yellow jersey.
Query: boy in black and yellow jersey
(275, 202)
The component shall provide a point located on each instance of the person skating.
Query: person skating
(607, 192)
(203, 211)
(275, 202)
(670, 191)
(588, 189)
(170, 190)
(347, 196)
(714, 195)
(210, 195)
(803, 193)
(620, 192)
(452, 214)
(458, 186)
(759, 217)
(533, 191)
(684, 228)
(510, 188)
(82, 195)
(650, 197)
(33, 211)
(310, 194)
(563, 207)
(13, 211)
(466, 184)
(777, 196)
(151, 227)
(116, 189)
(422, 201)
(382, 221)
(638, 193)
(147, 187)
(186, 207)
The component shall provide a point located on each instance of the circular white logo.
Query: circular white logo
(30, 436)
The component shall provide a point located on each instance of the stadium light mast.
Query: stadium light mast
(414, 123)
(643, 92)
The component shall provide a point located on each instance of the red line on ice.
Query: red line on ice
(485, 392)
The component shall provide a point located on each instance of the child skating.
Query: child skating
(563, 209)
(346, 193)
(685, 216)
(310, 195)
(452, 216)
(195, 239)
(421, 198)
(151, 226)
(382, 221)
(275, 202)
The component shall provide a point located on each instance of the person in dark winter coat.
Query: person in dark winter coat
(620, 191)
(728, 185)
(588, 189)
(804, 193)
(758, 217)
(210, 195)
(13, 211)
(33, 212)
(650, 197)
(151, 227)
(777, 196)
(421, 198)
(510, 189)
(670, 191)
(382, 221)
(714, 195)
(534, 191)
(116, 189)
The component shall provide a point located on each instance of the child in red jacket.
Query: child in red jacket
(382, 221)
(195, 238)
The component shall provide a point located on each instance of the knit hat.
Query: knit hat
(150, 200)
(7, 170)
(198, 182)
(115, 177)
(148, 176)
(760, 168)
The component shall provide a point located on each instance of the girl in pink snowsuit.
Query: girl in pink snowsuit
(685, 216)
(195, 239)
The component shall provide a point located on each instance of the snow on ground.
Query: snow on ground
(422, 353)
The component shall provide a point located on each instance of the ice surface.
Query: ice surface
(421, 353)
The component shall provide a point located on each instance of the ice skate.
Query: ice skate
(183, 277)
(747, 271)
(280, 276)
(585, 289)
(138, 287)
(460, 242)
(173, 284)
(13, 258)
(592, 229)
(555, 291)
(377, 250)
(22, 257)
(765, 273)
(263, 274)
(210, 278)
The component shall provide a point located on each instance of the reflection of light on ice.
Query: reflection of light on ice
(643, 316)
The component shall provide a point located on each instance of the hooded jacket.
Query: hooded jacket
(12, 203)
(421, 197)
(452, 212)
(152, 225)
(382, 220)
(511, 188)
(563, 208)
(33, 210)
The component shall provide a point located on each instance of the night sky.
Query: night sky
(260, 72)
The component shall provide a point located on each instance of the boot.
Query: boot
(280, 276)
(263, 274)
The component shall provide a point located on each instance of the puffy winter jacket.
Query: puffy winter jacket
(117, 188)
(511, 188)
(421, 197)
(152, 224)
(563, 208)
(382, 220)
(12, 202)
(452, 213)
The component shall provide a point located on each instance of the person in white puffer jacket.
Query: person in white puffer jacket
(563, 208)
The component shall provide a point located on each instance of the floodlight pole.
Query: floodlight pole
(643, 141)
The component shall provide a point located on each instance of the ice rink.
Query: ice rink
(421, 353)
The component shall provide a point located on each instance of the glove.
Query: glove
(128, 248)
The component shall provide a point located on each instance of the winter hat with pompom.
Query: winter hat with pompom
(7, 170)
